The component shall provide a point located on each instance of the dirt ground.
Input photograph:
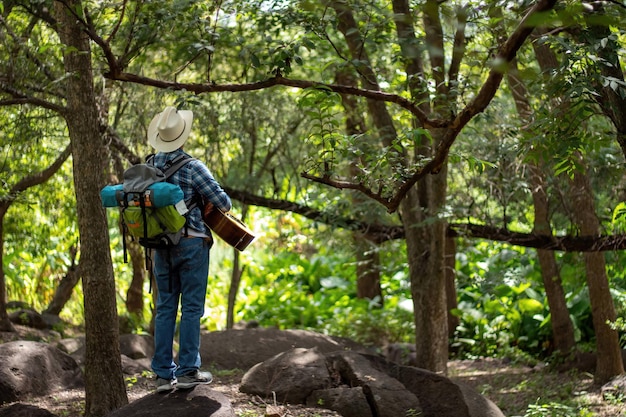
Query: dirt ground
(512, 387)
(537, 391)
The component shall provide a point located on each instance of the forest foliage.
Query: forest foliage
(301, 272)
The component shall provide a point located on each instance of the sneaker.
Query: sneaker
(194, 378)
(165, 384)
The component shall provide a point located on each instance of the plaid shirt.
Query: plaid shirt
(196, 180)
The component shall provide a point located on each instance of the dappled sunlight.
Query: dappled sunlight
(515, 388)
(305, 358)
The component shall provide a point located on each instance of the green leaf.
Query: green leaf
(527, 305)
(620, 212)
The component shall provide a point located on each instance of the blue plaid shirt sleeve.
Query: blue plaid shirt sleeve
(196, 180)
(205, 185)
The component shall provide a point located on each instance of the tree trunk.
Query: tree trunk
(134, 295)
(5, 323)
(450, 277)
(430, 273)
(104, 382)
(425, 240)
(562, 326)
(366, 251)
(235, 281)
(66, 287)
(609, 353)
(367, 269)
(608, 349)
(425, 251)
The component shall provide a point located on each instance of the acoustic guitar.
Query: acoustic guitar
(230, 229)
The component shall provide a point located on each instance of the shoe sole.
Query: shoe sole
(187, 385)
(165, 388)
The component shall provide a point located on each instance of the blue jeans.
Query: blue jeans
(181, 274)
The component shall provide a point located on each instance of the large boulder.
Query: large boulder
(25, 410)
(28, 317)
(227, 349)
(137, 351)
(35, 368)
(137, 346)
(362, 385)
(291, 375)
(242, 349)
(201, 401)
(438, 395)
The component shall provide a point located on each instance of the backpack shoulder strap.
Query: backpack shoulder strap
(173, 166)
(176, 164)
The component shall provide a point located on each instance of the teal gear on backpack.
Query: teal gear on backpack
(159, 194)
(152, 210)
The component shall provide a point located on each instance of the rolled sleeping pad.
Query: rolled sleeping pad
(159, 194)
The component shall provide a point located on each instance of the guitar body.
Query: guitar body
(230, 229)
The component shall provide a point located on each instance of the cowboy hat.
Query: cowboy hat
(170, 129)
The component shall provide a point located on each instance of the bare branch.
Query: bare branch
(537, 241)
(348, 185)
(275, 81)
(380, 233)
(33, 180)
(114, 139)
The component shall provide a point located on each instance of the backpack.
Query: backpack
(152, 209)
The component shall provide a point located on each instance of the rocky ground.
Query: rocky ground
(512, 387)
(517, 389)
(71, 403)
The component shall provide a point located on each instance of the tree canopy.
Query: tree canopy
(395, 135)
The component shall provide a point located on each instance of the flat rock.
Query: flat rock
(200, 401)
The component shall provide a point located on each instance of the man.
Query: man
(181, 272)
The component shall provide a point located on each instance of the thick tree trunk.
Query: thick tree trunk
(104, 382)
(602, 307)
(426, 251)
(425, 240)
(608, 349)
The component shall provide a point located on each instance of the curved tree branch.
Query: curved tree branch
(32, 180)
(43, 176)
(276, 81)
